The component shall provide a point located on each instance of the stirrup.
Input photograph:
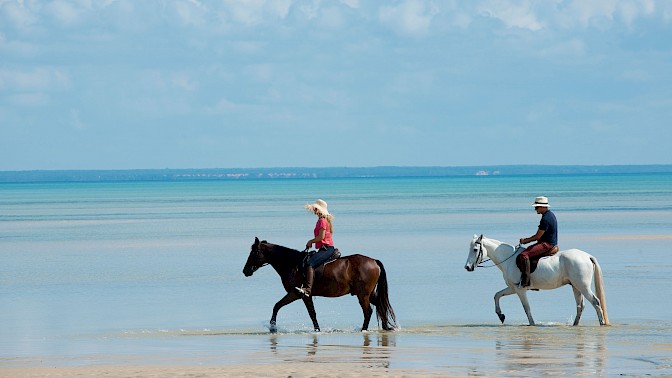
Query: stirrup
(302, 291)
(526, 283)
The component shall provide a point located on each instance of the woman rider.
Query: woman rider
(323, 243)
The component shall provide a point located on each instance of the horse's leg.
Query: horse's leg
(522, 294)
(500, 294)
(308, 301)
(287, 299)
(578, 297)
(364, 301)
(590, 296)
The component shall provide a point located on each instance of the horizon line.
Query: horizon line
(335, 167)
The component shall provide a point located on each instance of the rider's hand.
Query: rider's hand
(522, 241)
(309, 244)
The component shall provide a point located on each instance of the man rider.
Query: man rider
(546, 239)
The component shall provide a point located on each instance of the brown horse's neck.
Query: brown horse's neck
(282, 259)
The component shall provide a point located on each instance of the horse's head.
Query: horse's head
(476, 253)
(256, 260)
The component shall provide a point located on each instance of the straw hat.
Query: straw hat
(321, 207)
(541, 202)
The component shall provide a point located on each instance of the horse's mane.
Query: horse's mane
(290, 254)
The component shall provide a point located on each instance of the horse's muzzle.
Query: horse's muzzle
(248, 271)
(469, 268)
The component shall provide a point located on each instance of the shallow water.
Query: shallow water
(460, 350)
(106, 272)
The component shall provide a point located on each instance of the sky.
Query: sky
(130, 84)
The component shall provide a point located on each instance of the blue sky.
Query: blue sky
(120, 84)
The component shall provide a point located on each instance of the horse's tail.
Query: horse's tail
(599, 289)
(384, 311)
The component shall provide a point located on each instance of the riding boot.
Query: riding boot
(310, 275)
(526, 275)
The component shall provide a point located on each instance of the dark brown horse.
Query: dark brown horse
(355, 275)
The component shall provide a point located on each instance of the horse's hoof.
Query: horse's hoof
(501, 317)
(273, 328)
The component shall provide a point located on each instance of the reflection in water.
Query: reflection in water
(382, 339)
(552, 349)
(312, 347)
(374, 350)
(378, 355)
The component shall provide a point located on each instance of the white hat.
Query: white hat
(321, 207)
(541, 202)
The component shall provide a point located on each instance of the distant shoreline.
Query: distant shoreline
(196, 174)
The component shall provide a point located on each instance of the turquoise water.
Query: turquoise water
(85, 262)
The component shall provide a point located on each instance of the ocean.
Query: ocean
(94, 272)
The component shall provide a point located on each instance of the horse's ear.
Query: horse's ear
(256, 240)
(480, 238)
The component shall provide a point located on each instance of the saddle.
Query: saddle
(320, 269)
(535, 260)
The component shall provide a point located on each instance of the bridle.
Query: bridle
(258, 252)
(480, 255)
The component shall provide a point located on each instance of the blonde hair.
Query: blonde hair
(329, 219)
(320, 209)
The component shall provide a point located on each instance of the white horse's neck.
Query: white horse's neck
(498, 252)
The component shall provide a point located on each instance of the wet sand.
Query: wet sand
(435, 350)
(258, 370)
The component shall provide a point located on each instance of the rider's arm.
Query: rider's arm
(318, 238)
(535, 237)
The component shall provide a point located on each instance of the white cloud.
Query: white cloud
(635, 75)
(226, 106)
(405, 17)
(15, 13)
(158, 80)
(17, 48)
(76, 121)
(351, 3)
(34, 79)
(462, 20)
(632, 10)
(587, 12)
(537, 15)
(261, 72)
(29, 99)
(514, 14)
(347, 62)
(64, 12)
(412, 82)
(570, 48)
(309, 9)
(253, 12)
(190, 13)
(603, 13)
(332, 18)
(410, 17)
(183, 80)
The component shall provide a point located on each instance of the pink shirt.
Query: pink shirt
(322, 223)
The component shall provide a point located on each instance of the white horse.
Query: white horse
(572, 266)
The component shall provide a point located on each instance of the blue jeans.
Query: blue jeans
(321, 255)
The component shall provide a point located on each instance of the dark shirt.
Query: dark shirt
(549, 224)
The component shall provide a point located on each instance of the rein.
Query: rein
(480, 256)
(263, 253)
